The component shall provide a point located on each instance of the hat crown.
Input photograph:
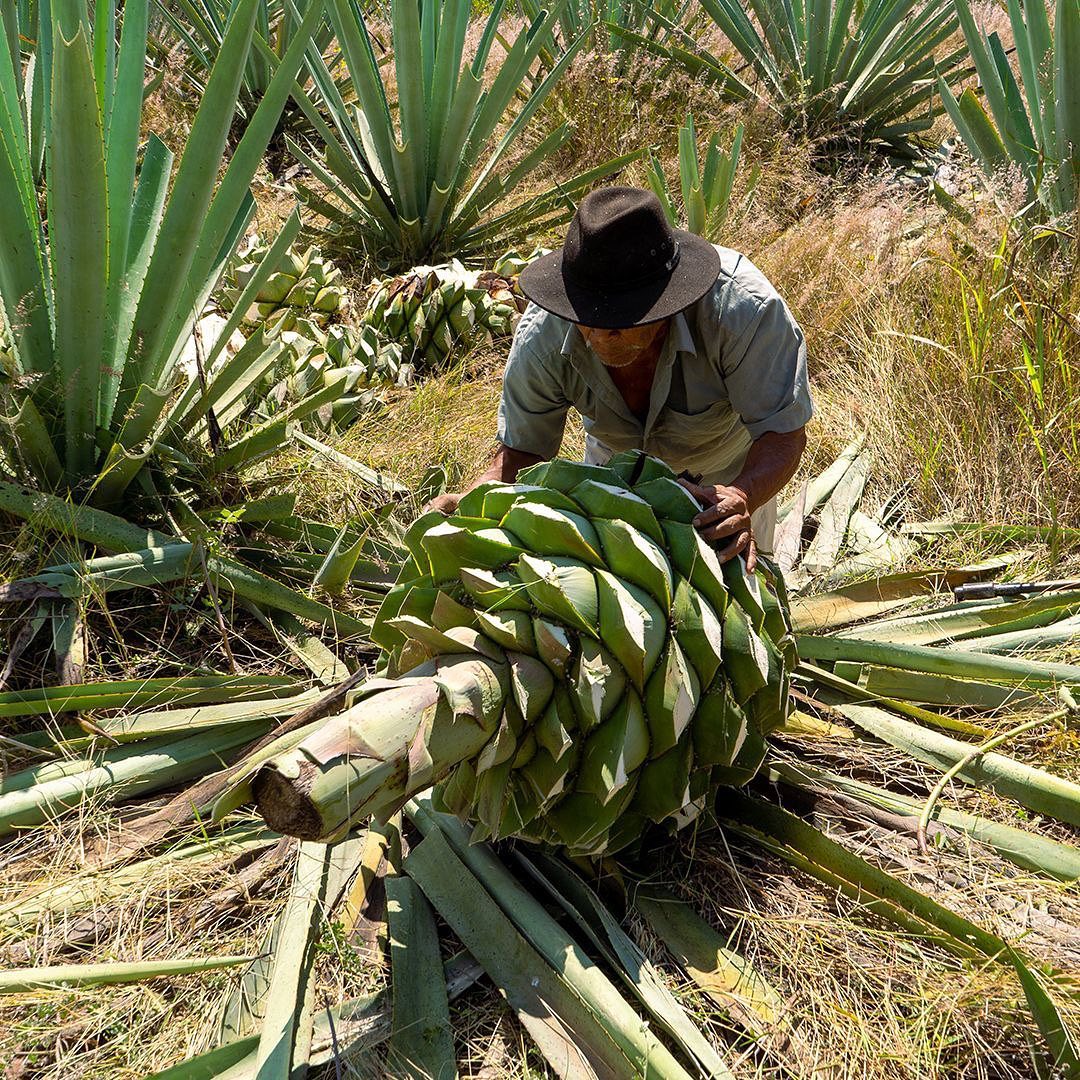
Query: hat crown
(619, 237)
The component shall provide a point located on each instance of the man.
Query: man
(665, 343)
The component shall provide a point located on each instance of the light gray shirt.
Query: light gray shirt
(733, 367)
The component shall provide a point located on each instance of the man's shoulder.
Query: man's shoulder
(538, 332)
(740, 282)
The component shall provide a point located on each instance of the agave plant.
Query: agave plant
(706, 194)
(120, 256)
(201, 24)
(609, 25)
(871, 82)
(1034, 131)
(435, 182)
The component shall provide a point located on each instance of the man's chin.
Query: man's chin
(620, 361)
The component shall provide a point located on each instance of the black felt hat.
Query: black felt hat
(621, 264)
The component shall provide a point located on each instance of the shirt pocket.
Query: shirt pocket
(701, 441)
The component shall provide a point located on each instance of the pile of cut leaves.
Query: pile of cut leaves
(899, 793)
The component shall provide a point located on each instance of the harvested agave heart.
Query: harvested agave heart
(569, 661)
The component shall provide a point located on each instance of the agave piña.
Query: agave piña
(573, 661)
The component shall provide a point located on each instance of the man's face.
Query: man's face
(618, 348)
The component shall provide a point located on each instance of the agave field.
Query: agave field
(300, 779)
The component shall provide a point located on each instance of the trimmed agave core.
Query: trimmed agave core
(643, 672)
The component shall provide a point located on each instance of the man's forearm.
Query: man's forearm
(770, 463)
(506, 465)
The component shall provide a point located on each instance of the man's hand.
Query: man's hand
(725, 521)
(446, 503)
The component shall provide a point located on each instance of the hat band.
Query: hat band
(642, 279)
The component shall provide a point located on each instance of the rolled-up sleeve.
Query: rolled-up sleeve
(765, 371)
(533, 408)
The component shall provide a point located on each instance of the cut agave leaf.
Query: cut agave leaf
(631, 625)
(670, 699)
(697, 562)
(635, 558)
(532, 685)
(614, 751)
(544, 530)
(637, 467)
(500, 498)
(449, 547)
(446, 613)
(563, 589)
(663, 784)
(746, 590)
(472, 502)
(564, 476)
(744, 767)
(553, 645)
(698, 630)
(597, 683)
(768, 708)
(510, 629)
(581, 821)
(547, 775)
(552, 730)
(495, 590)
(721, 726)
(669, 499)
(609, 503)
(746, 659)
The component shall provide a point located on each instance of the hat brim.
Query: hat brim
(619, 308)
